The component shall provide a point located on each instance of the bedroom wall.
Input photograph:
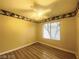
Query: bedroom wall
(77, 52)
(15, 33)
(68, 35)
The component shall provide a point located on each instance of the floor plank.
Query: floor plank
(38, 51)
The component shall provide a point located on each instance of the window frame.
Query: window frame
(50, 31)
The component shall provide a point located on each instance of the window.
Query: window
(51, 31)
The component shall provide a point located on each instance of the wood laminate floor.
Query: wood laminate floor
(38, 51)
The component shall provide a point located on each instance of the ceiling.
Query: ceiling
(39, 9)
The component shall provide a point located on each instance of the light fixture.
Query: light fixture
(39, 14)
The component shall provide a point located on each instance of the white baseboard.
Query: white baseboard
(58, 47)
(16, 48)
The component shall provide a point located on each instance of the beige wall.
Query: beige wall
(68, 35)
(77, 36)
(15, 33)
